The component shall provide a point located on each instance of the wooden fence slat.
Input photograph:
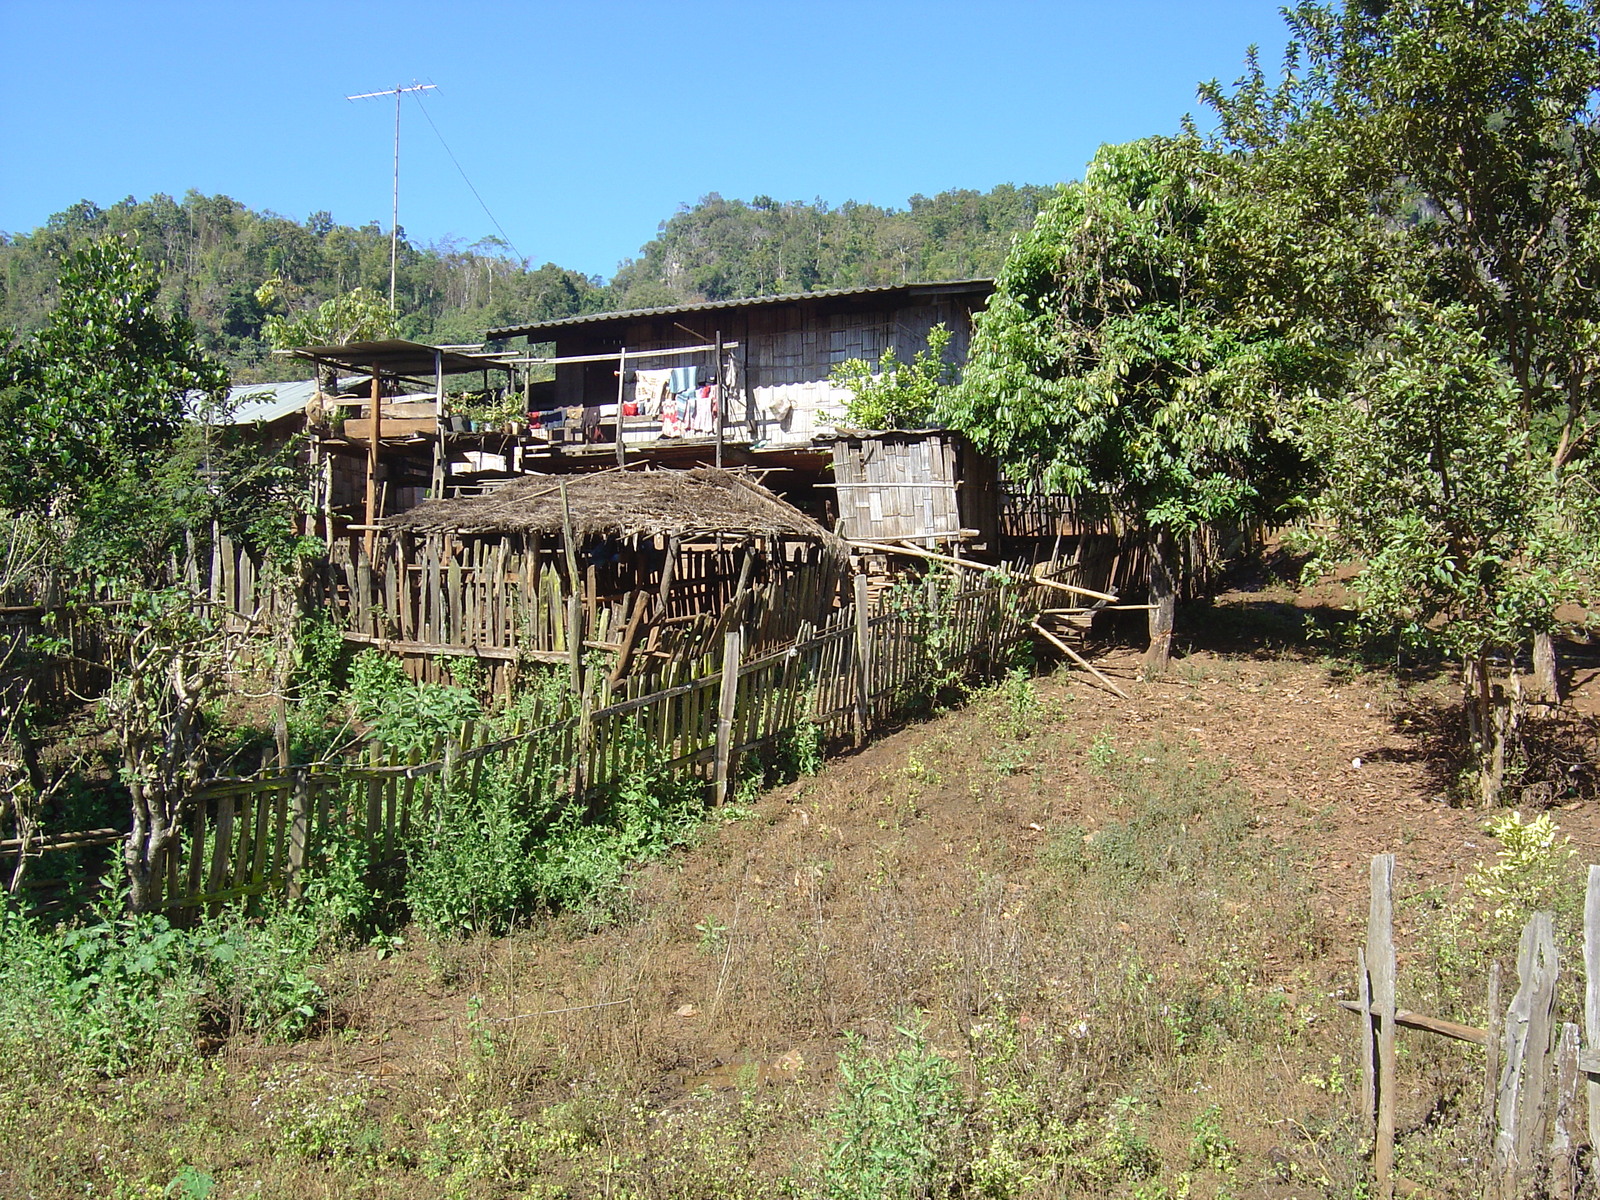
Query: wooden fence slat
(1527, 1046)
(1380, 963)
(1561, 1182)
(299, 832)
(1591, 995)
(1491, 1071)
(222, 845)
(1367, 1045)
(726, 711)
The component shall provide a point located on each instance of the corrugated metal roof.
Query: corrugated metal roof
(935, 288)
(267, 402)
(397, 357)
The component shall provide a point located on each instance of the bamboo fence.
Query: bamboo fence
(264, 834)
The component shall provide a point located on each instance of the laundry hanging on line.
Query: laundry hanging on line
(650, 389)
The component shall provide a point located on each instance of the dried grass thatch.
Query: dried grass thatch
(699, 502)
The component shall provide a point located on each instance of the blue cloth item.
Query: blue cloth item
(684, 380)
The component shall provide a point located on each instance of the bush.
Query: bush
(119, 993)
(403, 714)
(895, 1126)
(515, 844)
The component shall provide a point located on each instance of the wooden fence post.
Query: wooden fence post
(1367, 1051)
(1591, 1000)
(863, 662)
(732, 651)
(1562, 1181)
(1495, 1021)
(1380, 968)
(1524, 1079)
(299, 831)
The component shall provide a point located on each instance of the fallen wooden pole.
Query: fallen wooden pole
(1077, 658)
(918, 552)
(1427, 1024)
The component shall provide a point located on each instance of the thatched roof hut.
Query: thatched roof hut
(623, 504)
(656, 567)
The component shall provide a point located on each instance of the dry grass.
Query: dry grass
(1124, 938)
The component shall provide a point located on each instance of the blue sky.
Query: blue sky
(585, 125)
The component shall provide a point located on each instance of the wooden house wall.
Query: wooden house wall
(785, 355)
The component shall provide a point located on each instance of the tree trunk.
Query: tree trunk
(1494, 718)
(1546, 668)
(145, 852)
(1163, 601)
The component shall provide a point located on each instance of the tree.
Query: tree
(895, 395)
(355, 316)
(1426, 180)
(1108, 364)
(103, 388)
(1467, 542)
(104, 448)
(171, 663)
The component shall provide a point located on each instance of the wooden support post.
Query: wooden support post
(863, 661)
(727, 699)
(375, 435)
(585, 740)
(574, 593)
(716, 391)
(1529, 1041)
(622, 387)
(1380, 964)
(575, 641)
(436, 481)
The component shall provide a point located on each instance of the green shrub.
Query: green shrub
(117, 993)
(515, 844)
(896, 1126)
(403, 714)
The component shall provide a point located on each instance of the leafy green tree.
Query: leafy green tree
(355, 316)
(102, 389)
(103, 441)
(1467, 540)
(1427, 198)
(1109, 364)
(894, 395)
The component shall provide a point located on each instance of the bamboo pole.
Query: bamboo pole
(1380, 954)
(1077, 658)
(863, 648)
(727, 698)
(918, 552)
(375, 435)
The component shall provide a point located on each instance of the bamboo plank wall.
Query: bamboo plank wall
(503, 599)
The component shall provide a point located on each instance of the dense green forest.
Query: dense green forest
(213, 253)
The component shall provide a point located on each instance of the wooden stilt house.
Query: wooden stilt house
(648, 568)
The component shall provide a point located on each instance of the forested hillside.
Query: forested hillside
(721, 249)
(213, 253)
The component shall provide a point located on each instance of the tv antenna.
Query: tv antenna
(394, 223)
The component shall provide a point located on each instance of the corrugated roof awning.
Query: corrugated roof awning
(396, 357)
(910, 291)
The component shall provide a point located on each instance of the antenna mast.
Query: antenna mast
(394, 223)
